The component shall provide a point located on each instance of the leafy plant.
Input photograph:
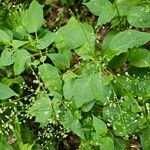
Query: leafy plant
(69, 82)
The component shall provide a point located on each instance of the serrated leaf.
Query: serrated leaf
(74, 35)
(6, 92)
(102, 8)
(59, 60)
(106, 144)
(5, 37)
(45, 40)
(41, 109)
(51, 77)
(128, 39)
(33, 19)
(99, 126)
(139, 57)
(22, 58)
(6, 58)
(139, 17)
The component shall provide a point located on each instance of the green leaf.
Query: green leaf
(6, 58)
(51, 77)
(74, 35)
(99, 126)
(106, 144)
(139, 57)
(88, 106)
(128, 39)
(102, 8)
(45, 40)
(5, 37)
(6, 92)
(59, 60)
(139, 17)
(33, 19)
(22, 58)
(68, 78)
(145, 138)
(82, 90)
(17, 43)
(41, 109)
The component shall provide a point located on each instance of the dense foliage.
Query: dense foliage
(73, 85)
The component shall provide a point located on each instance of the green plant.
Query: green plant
(68, 82)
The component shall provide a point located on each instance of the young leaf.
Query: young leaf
(45, 40)
(50, 76)
(33, 19)
(6, 92)
(102, 8)
(128, 39)
(139, 17)
(139, 57)
(41, 109)
(4, 37)
(6, 58)
(17, 43)
(21, 59)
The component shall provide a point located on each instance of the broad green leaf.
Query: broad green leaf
(82, 90)
(17, 43)
(33, 19)
(41, 109)
(128, 39)
(139, 17)
(6, 58)
(22, 58)
(102, 8)
(99, 126)
(88, 106)
(139, 57)
(5, 37)
(120, 144)
(145, 138)
(59, 60)
(6, 92)
(74, 35)
(51, 77)
(4, 144)
(68, 78)
(106, 144)
(45, 40)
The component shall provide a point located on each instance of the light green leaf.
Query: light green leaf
(51, 77)
(102, 8)
(22, 58)
(74, 35)
(5, 37)
(45, 40)
(41, 109)
(17, 43)
(6, 92)
(128, 39)
(99, 126)
(6, 58)
(106, 144)
(139, 17)
(33, 19)
(88, 106)
(139, 57)
(59, 60)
